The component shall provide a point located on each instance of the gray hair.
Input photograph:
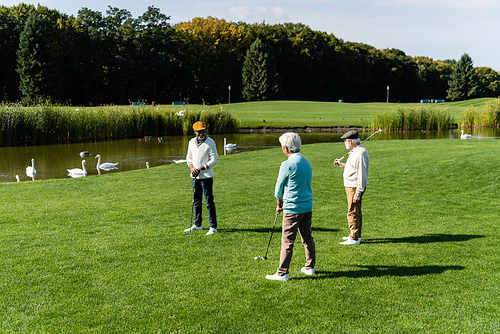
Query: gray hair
(357, 140)
(291, 141)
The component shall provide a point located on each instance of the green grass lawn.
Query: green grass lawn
(106, 254)
(321, 114)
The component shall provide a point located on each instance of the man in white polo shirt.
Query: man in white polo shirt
(201, 158)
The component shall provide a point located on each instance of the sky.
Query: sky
(438, 29)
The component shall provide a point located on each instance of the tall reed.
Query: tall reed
(406, 118)
(45, 124)
(488, 116)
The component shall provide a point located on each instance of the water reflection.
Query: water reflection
(53, 161)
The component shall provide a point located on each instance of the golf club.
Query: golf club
(272, 231)
(192, 209)
(345, 155)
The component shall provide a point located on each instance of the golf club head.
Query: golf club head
(263, 257)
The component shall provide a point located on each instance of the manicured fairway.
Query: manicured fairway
(324, 114)
(106, 254)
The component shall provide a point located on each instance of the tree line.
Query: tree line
(97, 59)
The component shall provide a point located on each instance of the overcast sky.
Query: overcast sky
(439, 29)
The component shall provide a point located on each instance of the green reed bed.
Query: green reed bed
(409, 117)
(487, 116)
(45, 124)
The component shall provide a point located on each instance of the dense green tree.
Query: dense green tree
(11, 25)
(401, 75)
(95, 81)
(433, 77)
(260, 79)
(38, 57)
(12, 20)
(115, 58)
(463, 83)
(307, 61)
(155, 47)
(210, 59)
(488, 82)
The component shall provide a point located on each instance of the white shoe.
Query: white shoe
(347, 238)
(308, 272)
(276, 277)
(211, 231)
(193, 228)
(351, 242)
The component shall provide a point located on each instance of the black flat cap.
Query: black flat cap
(351, 134)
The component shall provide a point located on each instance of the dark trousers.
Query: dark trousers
(204, 187)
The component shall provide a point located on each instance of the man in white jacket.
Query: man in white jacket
(355, 181)
(201, 158)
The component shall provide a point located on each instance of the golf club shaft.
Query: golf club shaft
(192, 207)
(272, 231)
(345, 155)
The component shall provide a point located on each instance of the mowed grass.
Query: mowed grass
(325, 114)
(106, 254)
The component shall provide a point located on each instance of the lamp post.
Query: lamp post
(387, 94)
(229, 99)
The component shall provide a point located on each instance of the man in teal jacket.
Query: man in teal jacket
(294, 197)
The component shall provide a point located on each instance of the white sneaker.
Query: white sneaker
(351, 242)
(308, 272)
(211, 231)
(276, 277)
(193, 228)
(347, 238)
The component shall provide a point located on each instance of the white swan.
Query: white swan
(84, 154)
(30, 170)
(106, 165)
(462, 136)
(77, 172)
(230, 146)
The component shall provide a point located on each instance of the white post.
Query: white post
(224, 146)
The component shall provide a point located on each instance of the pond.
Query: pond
(52, 161)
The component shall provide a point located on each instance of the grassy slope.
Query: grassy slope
(318, 114)
(107, 253)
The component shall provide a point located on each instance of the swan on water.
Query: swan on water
(105, 165)
(84, 154)
(230, 146)
(30, 170)
(466, 136)
(77, 172)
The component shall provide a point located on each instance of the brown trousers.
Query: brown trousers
(354, 214)
(291, 224)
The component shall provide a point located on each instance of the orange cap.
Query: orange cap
(198, 126)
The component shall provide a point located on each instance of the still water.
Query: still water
(52, 161)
